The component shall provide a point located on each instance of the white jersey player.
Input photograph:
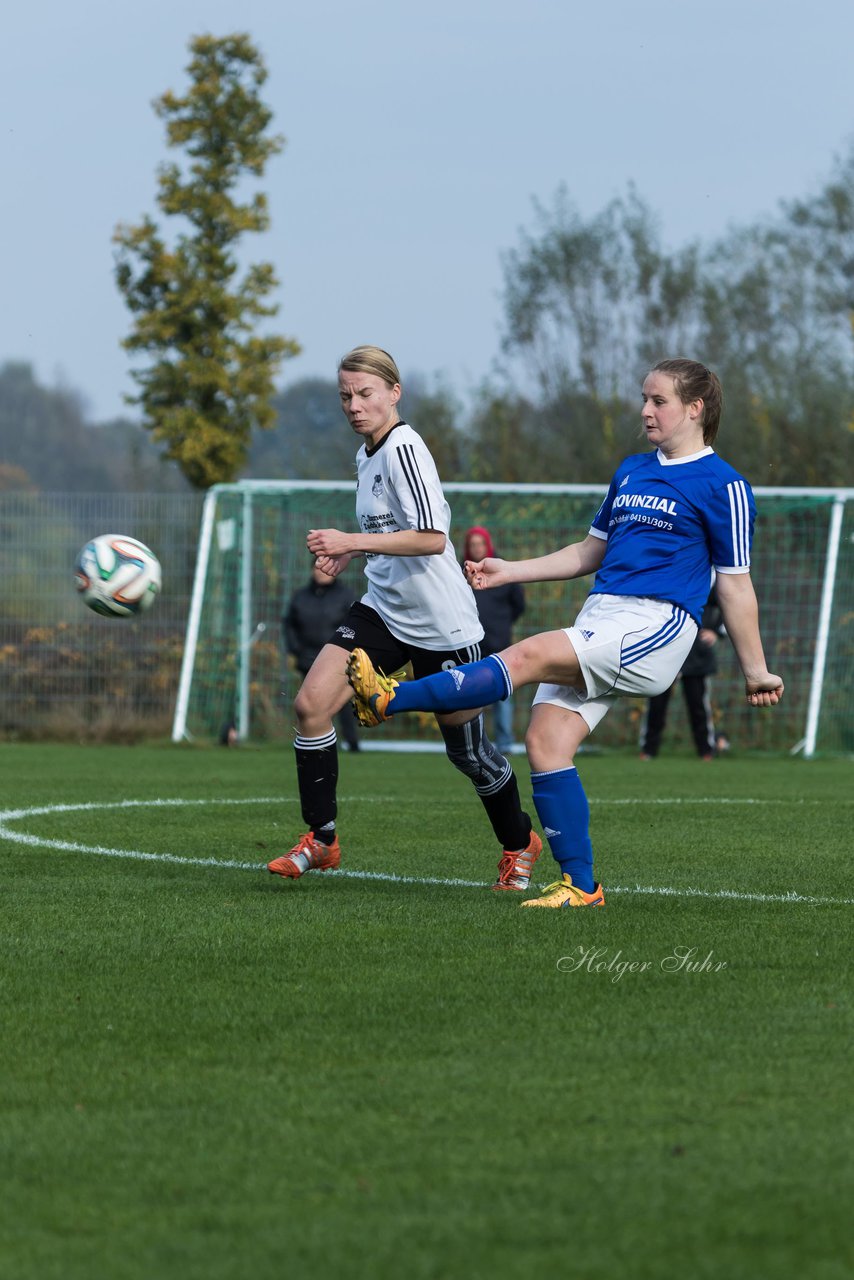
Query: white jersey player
(424, 600)
(417, 608)
(670, 517)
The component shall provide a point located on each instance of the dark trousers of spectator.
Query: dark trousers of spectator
(696, 692)
(348, 727)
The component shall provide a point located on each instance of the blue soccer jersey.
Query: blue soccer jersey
(668, 523)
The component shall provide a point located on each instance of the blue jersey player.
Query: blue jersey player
(670, 517)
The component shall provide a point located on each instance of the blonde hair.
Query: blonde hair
(693, 381)
(368, 359)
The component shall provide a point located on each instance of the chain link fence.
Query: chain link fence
(65, 672)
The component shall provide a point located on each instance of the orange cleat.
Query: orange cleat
(514, 869)
(308, 854)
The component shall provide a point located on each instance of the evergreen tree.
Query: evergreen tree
(210, 377)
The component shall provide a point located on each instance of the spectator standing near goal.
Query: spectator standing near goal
(417, 608)
(670, 516)
(312, 614)
(498, 610)
(698, 668)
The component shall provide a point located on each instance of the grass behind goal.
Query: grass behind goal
(212, 1073)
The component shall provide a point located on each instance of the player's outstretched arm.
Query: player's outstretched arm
(737, 599)
(574, 561)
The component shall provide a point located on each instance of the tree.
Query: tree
(46, 442)
(211, 378)
(828, 219)
(433, 410)
(15, 479)
(587, 303)
(566, 439)
(313, 440)
(777, 309)
(780, 353)
(591, 305)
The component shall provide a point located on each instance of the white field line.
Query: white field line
(106, 851)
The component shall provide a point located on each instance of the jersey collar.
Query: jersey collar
(369, 453)
(676, 462)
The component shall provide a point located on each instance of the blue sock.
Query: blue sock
(565, 816)
(475, 684)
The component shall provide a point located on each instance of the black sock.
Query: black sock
(317, 778)
(470, 750)
(512, 826)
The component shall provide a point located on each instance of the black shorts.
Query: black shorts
(363, 628)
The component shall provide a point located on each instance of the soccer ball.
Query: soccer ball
(117, 576)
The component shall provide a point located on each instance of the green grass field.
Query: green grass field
(212, 1073)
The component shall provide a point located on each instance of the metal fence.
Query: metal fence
(65, 672)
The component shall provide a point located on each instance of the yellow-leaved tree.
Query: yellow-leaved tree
(209, 380)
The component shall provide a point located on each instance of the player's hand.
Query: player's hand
(482, 574)
(329, 542)
(332, 565)
(765, 691)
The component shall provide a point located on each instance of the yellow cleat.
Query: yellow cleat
(563, 893)
(373, 691)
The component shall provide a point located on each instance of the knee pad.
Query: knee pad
(470, 750)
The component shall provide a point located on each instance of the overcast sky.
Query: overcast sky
(418, 136)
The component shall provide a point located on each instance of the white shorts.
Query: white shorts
(627, 646)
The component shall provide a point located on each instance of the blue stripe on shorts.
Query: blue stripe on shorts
(635, 652)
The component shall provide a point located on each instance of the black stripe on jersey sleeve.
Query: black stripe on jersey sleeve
(417, 488)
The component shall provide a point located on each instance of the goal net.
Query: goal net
(252, 557)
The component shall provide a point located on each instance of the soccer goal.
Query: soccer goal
(252, 557)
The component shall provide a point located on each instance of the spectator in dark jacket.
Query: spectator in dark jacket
(700, 664)
(312, 614)
(498, 610)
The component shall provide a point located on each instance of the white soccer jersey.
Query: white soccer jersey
(423, 600)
